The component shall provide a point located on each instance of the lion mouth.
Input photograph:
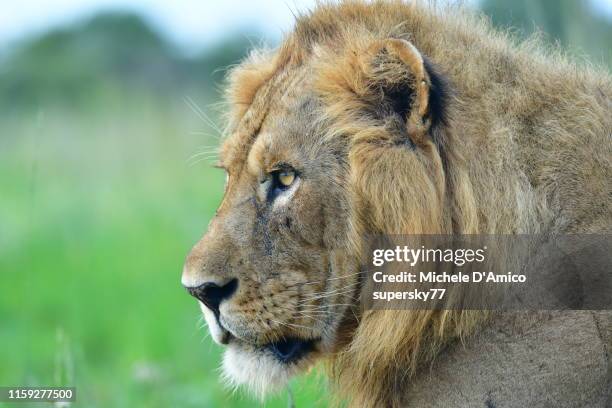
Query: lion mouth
(290, 350)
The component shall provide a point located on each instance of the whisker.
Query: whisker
(202, 156)
(291, 325)
(203, 153)
(203, 116)
(343, 276)
(321, 308)
(203, 133)
(339, 291)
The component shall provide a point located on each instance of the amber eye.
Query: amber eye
(281, 181)
(286, 177)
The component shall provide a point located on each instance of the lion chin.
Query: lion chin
(259, 370)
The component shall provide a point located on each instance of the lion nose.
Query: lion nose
(212, 294)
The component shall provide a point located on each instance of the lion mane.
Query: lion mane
(509, 138)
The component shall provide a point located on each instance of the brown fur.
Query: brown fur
(524, 146)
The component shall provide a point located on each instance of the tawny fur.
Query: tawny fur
(525, 147)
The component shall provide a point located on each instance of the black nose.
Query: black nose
(212, 294)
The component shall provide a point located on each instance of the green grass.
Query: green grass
(97, 211)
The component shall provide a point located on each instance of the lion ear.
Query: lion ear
(401, 82)
(383, 94)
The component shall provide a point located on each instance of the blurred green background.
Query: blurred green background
(107, 135)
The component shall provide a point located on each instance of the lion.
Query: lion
(394, 118)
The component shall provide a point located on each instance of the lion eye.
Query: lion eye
(281, 179)
(286, 177)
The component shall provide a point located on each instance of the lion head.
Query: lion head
(340, 132)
